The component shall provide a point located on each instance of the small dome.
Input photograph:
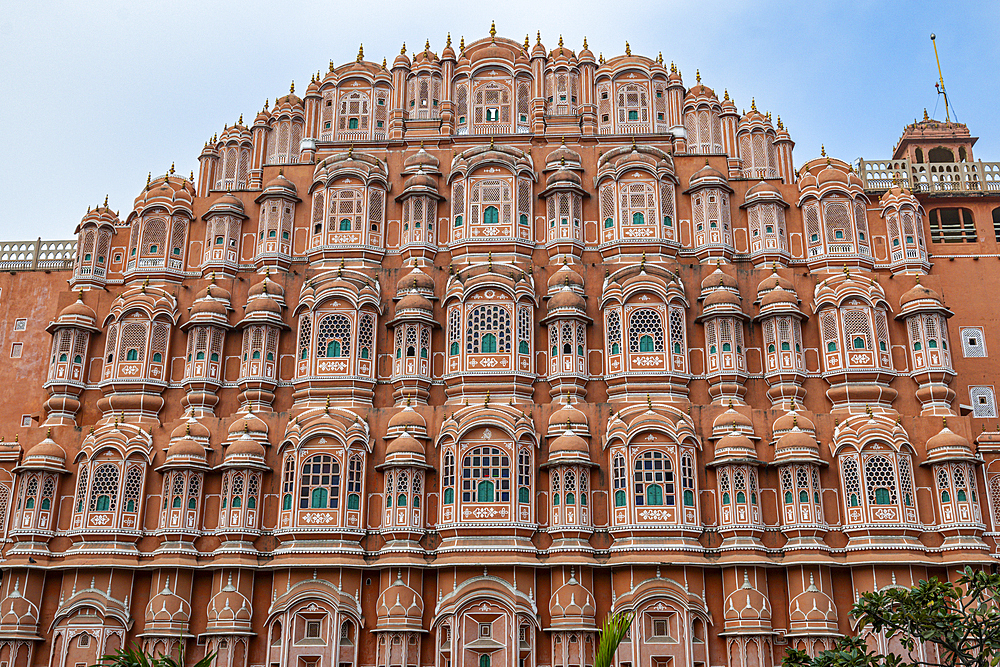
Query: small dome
(572, 603)
(779, 295)
(400, 606)
(226, 203)
(735, 445)
(919, 293)
(565, 275)
(16, 610)
(731, 420)
(562, 156)
(407, 419)
(707, 175)
(947, 445)
(421, 160)
(832, 175)
(245, 448)
(78, 310)
(774, 281)
(415, 280)
(405, 444)
(719, 278)
(167, 607)
(46, 453)
(807, 181)
(570, 443)
(795, 442)
(810, 607)
(566, 299)
(563, 177)
(566, 417)
(186, 450)
(763, 189)
(420, 181)
(722, 297)
(247, 422)
(229, 608)
(213, 291)
(747, 604)
(266, 286)
(204, 307)
(791, 420)
(191, 427)
(414, 302)
(263, 304)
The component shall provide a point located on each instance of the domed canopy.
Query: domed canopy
(747, 607)
(408, 420)
(774, 281)
(399, 607)
(566, 275)
(919, 293)
(77, 315)
(414, 302)
(731, 420)
(790, 420)
(567, 299)
(734, 447)
(572, 606)
(708, 177)
(569, 443)
(796, 446)
(167, 611)
(193, 428)
(186, 452)
(405, 450)
(421, 160)
(719, 279)
(415, 280)
(947, 445)
(46, 455)
(568, 417)
(245, 452)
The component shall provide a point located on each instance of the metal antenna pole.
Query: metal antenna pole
(941, 89)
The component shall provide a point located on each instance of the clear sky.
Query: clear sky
(97, 94)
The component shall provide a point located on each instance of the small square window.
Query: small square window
(485, 629)
(20, 324)
(118, 258)
(84, 640)
(25, 421)
(15, 350)
(660, 627)
(312, 629)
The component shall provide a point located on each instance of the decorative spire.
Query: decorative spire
(926, 117)
(538, 37)
(447, 42)
(822, 150)
(383, 62)
(628, 49)
(697, 76)
(753, 104)
(361, 52)
(427, 46)
(584, 41)
(493, 32)
(461, 44)
(291, 88)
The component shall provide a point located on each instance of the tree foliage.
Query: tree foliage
(135, 657)
(615, 628)
(962, 620)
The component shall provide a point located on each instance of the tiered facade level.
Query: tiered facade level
(442, 362)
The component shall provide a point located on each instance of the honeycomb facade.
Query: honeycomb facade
(445, 360)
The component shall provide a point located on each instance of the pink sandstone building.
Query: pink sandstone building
(445, 360)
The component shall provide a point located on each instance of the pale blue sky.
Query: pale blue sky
(97, 94)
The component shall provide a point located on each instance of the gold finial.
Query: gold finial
(402, 51)
(172, 169)
(291, 88)
(926, 117)
(725, 95)
(649, 402)
(697, 76)
(187, 429)
(659, 57)
(795, 421)
(673, 67)
(493, 32)
(145, 283)
(48, 434)
(427, 46)
(527, 43)
(847, 271)
(628, 49)
(868, 409)
(584, 41)
(822, 150)
(486, 402)
(327, 408)
(781, 126)
(447, 42)
(642, 262)
(361, 52)
(489, 260)
(538, 37)
(105, 201)
(191, 176)
(491, 143)
(944, 423)
(330, 66)
(240, 121)
(753, 104)
(600, 57)
(350, 151)
(560, 41)
(461, 44)
(383, 62)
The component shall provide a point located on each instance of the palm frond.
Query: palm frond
(615, 629)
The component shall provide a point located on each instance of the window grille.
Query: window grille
(973, 342)
(319, 486)
(333, 336)
(484, 321)
(486, 475)
(614, 330)
(645, 323)
(983, 401)
(880, 480)
(654, 480)
(104, 491)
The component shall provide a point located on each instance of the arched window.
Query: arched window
(524, 476)
(355, 472)
(645, 323)
(880, 480)
(654, 479)
(333, 336)
(486, 475)
(319, 486)
(618, 476)
(491, 216)
(488, 330)
(104, 490)
(448, 477)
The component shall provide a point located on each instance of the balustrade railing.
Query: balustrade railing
(931, 177)
(37, 255)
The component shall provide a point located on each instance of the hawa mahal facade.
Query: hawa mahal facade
(445, 360)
